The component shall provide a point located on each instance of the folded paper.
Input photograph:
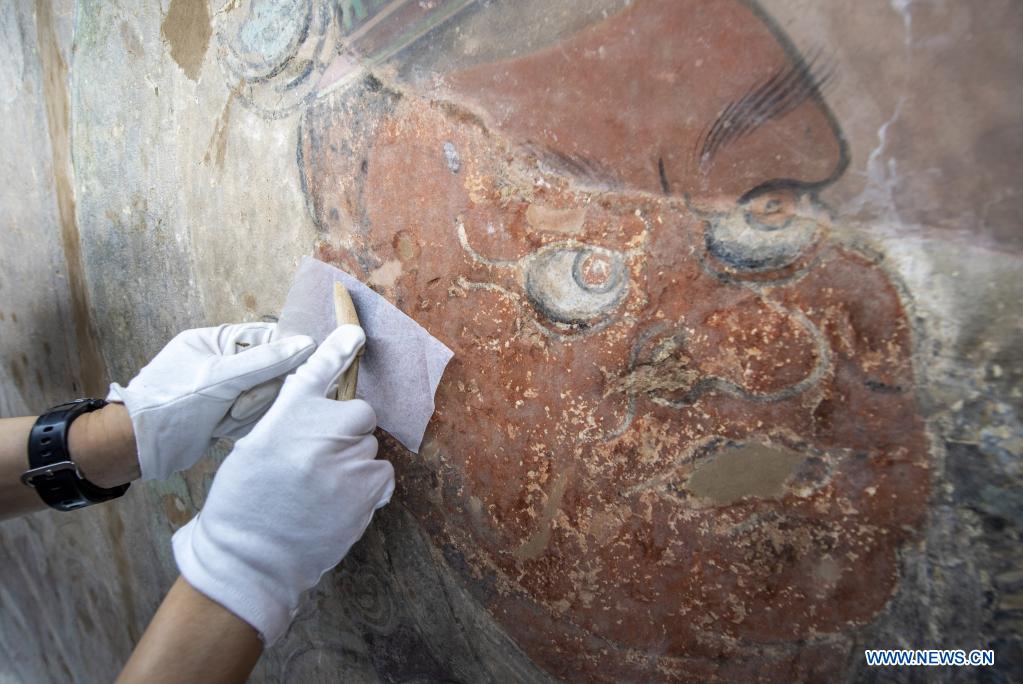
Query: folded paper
(401, 364)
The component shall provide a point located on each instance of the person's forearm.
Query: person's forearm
(102, 445)
(193, 639)
(15, 498)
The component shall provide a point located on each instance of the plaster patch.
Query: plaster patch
(753, 469)
(551, 220)
(186, 28)
(386, 275)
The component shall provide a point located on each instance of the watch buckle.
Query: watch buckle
(28, 478)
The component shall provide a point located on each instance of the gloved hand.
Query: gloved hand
(291, 498)
(181, 401)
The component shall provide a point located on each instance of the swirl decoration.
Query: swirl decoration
(369, 599)
(273, 52)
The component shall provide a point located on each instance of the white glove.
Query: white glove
(291, 498)
(181, 401)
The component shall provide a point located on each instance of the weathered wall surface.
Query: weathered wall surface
(736, 389)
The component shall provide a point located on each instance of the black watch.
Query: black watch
(50, 469)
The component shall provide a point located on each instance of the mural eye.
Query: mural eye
(772, 210)
(768, 231)
(575, 285)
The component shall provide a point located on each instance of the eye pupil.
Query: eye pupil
(594, 271)
(767, 232)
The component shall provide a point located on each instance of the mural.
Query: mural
(679, 435)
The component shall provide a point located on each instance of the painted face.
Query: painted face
(680, 419)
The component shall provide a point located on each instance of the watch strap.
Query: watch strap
(51, 471)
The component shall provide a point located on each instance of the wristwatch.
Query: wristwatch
(51, 472)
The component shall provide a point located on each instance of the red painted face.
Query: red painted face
(679, 420)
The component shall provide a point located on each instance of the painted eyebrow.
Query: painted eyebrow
(775, 96)
(574, 164)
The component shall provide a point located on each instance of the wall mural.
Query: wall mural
(679, 435)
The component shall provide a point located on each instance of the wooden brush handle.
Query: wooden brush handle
(344, 312)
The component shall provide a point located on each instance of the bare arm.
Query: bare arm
(193, 639)
(102, 445)
(177, 646)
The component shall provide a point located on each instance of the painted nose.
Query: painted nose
(753, 349)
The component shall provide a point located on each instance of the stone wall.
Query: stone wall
(736, 384)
